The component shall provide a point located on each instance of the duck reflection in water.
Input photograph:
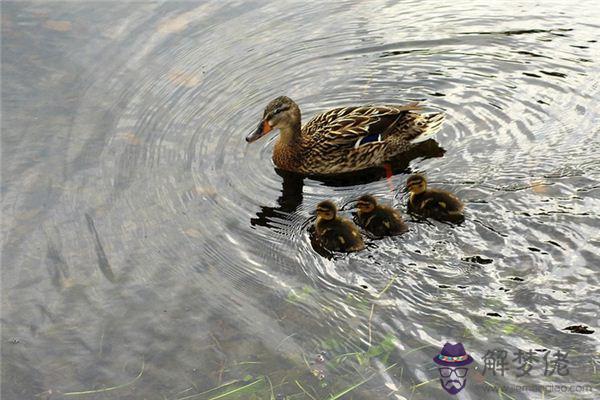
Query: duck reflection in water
(293, 183)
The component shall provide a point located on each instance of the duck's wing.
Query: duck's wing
(354, 127)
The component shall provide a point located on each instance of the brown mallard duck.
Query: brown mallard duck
(433, 203)
(343, 139)
(335, 233)
(377, 219)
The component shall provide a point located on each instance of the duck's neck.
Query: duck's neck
(290, 134)
(288, 149)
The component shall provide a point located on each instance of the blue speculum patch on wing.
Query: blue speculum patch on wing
(376, 137)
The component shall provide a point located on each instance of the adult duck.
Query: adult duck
(343, 139)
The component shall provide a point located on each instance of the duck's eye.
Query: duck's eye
(279, 109)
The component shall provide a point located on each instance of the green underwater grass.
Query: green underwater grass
(351, 365)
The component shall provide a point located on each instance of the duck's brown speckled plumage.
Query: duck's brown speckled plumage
(327, 144)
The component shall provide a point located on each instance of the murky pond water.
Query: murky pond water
(149, 252)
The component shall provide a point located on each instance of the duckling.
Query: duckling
(380, 220)
(334, 232)
(433, 203)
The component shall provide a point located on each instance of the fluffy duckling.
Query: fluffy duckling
(380, 220)
(334, 232)
(433, 203)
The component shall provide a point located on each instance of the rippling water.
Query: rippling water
(149, 250)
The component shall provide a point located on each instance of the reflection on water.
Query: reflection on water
(293, 184)
(148, 252)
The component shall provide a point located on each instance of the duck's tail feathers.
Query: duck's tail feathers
(427, 126)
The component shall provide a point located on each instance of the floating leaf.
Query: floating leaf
(206, 190)
(129, 137)
(539, 187)
(191, 232)
(176, 24)
(182, 78)
(59, 26)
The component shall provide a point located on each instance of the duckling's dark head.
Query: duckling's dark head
(282, 113)
(416, 183)
(326, 210)
(366, 203)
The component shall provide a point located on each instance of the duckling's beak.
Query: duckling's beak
(262, 129)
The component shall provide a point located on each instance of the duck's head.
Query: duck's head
(326, 210)
(416, 184)
(281, 113)
(366, 203)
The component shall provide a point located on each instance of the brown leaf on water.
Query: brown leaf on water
(59, 26)
(28, 215)
(68, 282)
(176, 24)
(181, 78)
(579, 329)
(206, 191)
(129, 226)
(129, 137)
(191, 232)
(40, 13)
(539, 187)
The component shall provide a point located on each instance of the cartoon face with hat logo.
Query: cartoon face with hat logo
(452, 362)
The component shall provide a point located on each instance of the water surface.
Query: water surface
(147, 248)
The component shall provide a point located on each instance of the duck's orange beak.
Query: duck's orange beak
(262, 129)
